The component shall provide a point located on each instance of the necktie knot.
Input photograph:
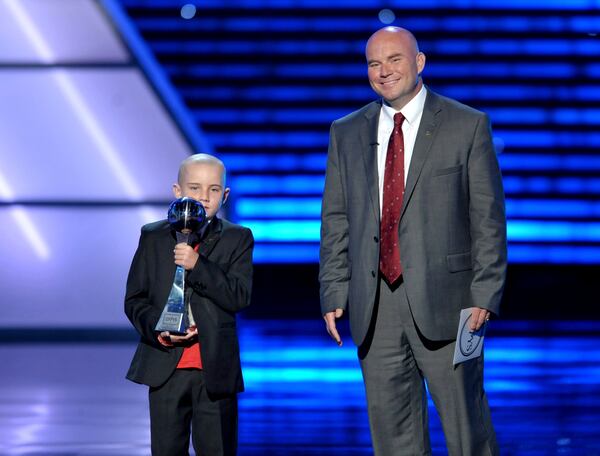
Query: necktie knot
(398, 119)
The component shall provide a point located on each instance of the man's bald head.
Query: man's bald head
(391, 33)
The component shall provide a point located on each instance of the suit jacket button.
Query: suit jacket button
(373, 273)
(375, 238)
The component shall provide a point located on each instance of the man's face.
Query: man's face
(204, 183)
(394, 66)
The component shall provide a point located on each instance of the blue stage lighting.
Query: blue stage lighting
(286, 253)
(552, 208)
(553, 254)
(278, 207)
(278, 185)
(284, 230)
(188, 11)
(553, 231)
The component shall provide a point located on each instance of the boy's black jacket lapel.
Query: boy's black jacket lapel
(210, 238)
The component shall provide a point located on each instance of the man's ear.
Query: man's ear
(177, 190)
(420, 62)
(225, 195)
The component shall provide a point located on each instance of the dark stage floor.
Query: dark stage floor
(304, 395)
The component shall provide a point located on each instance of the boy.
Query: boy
(193, 378)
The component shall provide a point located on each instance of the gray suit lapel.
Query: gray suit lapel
(425, 136)
(368, 146)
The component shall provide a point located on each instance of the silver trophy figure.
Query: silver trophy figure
(186, 215)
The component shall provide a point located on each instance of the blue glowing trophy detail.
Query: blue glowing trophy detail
(185, 216)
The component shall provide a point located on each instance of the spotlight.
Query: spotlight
(387, 16)
(188, 11)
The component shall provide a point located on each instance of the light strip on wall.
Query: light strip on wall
(150, 214)
(30, 232)
(5, 191)
(24, 222)
(78, 104)
(30, 30)
(100, 139)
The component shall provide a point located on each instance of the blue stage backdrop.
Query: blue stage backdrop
(265, 79)
(101, 99)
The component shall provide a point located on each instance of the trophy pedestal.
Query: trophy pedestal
(174, 317)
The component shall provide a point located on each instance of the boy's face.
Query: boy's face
(204, 183)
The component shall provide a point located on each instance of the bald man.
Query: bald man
(413, 231)
(193, 378)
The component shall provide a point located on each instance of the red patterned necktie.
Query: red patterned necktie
(393, 190)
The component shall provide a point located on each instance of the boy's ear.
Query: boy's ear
(225, 194)
(177, 190)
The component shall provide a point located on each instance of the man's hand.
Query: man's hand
(478, 317)
(168, 340)
(185, 256)
(330, 318)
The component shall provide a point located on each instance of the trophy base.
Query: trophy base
(172, 322)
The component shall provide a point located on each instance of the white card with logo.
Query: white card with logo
(468, 343)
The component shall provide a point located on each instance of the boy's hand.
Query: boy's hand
(185, 256)
(169, 340)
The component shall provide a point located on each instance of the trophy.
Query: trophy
(186, 215)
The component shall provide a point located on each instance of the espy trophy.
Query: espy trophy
(186, 215)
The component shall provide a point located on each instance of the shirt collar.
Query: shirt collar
(199, 235)
(412, 110)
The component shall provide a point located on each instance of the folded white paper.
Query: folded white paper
(468, 343)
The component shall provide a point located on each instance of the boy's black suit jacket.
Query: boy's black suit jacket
(221, 282)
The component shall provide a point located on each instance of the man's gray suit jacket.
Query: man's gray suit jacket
(452, 228)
